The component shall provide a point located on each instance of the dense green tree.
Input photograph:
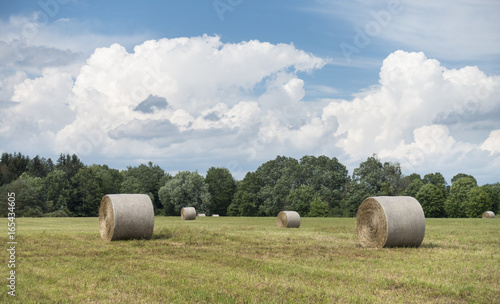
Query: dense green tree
(87, 194)
(242, 205)
(146, 179)
(58, 191)
(405, 183)
(478, 201)
(300, 199)
(391, 182)
(460, 175)
(432, 199)
(69, 164)
(131, 184)
(372, 178)
(245, 201)
(111, 178)
(327, 176)
(413, 187)
(28, 194)
(457, 199)
(319, 208)
(222, 187)
(435, 179)
(377, 178)
(370, 174)
(438, 180)
(356, 194)
(276, 177)
(40, 167)
(493, 191)
(185, 189)
(12, 166)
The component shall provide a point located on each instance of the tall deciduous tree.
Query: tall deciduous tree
(378, 178)
(276, 177)
(111, 178)
(327, 177)
(319, 208)
(478, 202)
(493, 191)
(370, 173)
(356, 194)
(146, 179)
(372, 178)
(300, 199)
(246, 201)
(186, 189)
(460, 175)
(29, 196)
(414, 183)
(222, 187)
(432, 199)
(457, 199)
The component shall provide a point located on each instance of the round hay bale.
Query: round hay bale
(390, 221)
(126, 216)
(202, 215)
(488, 214)
(215, 215)
(188, 213)
(288, 219)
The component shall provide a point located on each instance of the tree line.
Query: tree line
(313, 186)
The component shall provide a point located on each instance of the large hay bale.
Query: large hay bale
(126, 216)
(488, 214)
(288, 219)
(390, 221)
(188, 213)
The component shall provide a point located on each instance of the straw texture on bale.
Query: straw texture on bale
(390, 221)
(126, 216)
(288, 219)
(488, 214)
(188, 213)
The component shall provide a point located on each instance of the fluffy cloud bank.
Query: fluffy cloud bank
(190, 103)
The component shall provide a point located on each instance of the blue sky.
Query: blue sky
(267, 78)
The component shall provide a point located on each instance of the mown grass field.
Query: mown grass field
(251, 260)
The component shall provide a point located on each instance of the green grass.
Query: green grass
(250, 260)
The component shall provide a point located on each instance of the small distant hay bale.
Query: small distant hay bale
(390, 221)
(288, 219)
(488, 214)
(215, 215)
(126, 216)
(202, 215)
(188, 213)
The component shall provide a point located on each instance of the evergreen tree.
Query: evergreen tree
(87, 194)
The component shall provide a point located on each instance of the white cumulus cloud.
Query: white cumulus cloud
(200, 102)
